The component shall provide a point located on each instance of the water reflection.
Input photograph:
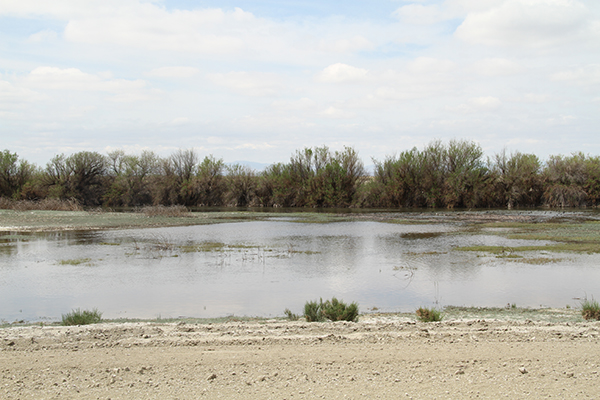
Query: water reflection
(260, 268)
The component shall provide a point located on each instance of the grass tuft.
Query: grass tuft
(332, 310)
(428, 314)
(81, 317)
(590, 309)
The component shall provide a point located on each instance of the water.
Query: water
(260, 268)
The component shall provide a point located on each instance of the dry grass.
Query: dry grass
(45, 205)
(164, 211)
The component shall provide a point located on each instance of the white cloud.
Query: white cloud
(147, 26)
(180, 121)
(248, 83)
(318, 81)
(418, 14)
(487, 103)
(469, 6)
(476, 104)
(11, 95)
(430, 66)
(562, 120)
(356, 43)
(334, 112)
(73, 79)
(61, 9)
(535, 23)
(496, 67)
(255, 146)
(535, 98)
(422, 77)
(46, 35)
(173, 72)
(300, 104)
(460, 108)
(340, 73)
(586, 75)
(517, 141)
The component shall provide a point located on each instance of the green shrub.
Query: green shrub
(590, 309)
(79, 317)
(332, 310)
(290, 315)
(428, 314)
(336, 310)
(312, 311)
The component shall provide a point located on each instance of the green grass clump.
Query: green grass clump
(330, 310)
(79, 317)
(76, 261)
(428, 314)
(590, 309)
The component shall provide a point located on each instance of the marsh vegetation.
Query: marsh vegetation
(213, 264)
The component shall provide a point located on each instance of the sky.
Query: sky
(256, 80)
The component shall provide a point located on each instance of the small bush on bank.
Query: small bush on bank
(312, 311)
(332, 310)
(82, 317)
(590, 309)
(336, 310)
(428, 314)
(290, 315)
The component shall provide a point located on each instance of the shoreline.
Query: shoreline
(36, 221)
(449, 313)
(377, 357)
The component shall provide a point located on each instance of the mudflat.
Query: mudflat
(381, 356)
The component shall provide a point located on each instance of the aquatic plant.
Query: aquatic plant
(332, 310)
(590, 309)
(81, 317)
(425, 314)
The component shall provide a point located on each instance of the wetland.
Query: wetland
(258, 262)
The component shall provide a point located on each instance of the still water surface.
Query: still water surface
(260, 268)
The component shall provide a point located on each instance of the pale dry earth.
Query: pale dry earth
(381, 356)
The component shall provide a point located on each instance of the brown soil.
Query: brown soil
(378, 357)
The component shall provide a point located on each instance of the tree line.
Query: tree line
(452, 175)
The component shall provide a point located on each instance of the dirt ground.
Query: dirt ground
(378, 357)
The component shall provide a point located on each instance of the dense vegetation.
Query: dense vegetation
(453, 175)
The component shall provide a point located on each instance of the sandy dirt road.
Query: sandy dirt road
(378, 357)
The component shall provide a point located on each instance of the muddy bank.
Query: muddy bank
(44, 221)
(378, 357)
